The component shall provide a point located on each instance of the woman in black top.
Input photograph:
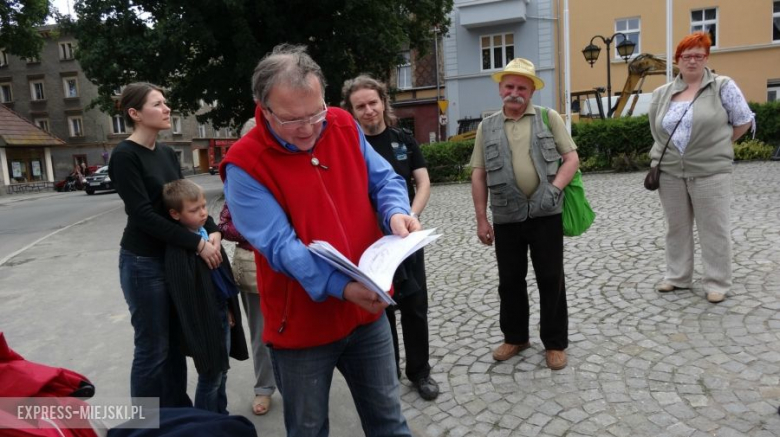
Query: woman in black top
(139, 167)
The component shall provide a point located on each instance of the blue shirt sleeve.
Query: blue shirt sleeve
(275, 238)
(386, 188)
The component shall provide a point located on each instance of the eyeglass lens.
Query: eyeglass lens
(294, 124)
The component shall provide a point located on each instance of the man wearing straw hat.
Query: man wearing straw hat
(522, 163)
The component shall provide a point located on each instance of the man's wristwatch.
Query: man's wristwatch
(414, 215)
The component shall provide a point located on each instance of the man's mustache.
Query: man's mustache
(519, 100)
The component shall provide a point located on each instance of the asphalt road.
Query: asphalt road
(27, 221)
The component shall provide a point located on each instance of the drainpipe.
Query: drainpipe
(438, 89)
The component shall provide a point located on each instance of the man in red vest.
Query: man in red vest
(305, 173)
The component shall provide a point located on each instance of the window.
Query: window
(497, 50)
(32, 60)
(70, 86)
(4, 56)
(629, 27)
(217, 133)
(775, 23)
(42, 123)
(773, 91)
(118, 124)
(405, 72)
(75, 125)
(201, 130)
(66, 51)
(37, 90)
(176, 124)
(6, 96)
(706, 20)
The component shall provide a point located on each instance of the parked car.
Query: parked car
(99, 181)
(70, 183)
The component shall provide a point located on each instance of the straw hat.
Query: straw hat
(520, 67)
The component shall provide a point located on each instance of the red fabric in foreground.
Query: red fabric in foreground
(20, 378)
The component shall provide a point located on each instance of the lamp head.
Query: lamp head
(591, 53)
(626, 48)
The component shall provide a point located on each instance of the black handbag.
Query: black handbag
(653, 178)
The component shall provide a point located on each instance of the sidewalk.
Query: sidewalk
(641, 363)
(11, 198)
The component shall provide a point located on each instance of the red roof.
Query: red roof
(16, 131)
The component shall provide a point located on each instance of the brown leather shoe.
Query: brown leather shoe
(507, 350)
(556, 360)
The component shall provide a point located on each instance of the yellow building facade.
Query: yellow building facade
(746, 48)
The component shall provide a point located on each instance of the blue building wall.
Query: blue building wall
(471, 92)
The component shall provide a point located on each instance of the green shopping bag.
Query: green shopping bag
(577, 213)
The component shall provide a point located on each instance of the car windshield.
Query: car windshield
(102, 170)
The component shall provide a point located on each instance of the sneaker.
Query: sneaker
(556, 360)
(427, 387)
(507, 350)
(715, 297)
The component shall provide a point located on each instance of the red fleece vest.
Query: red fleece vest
(330, 204)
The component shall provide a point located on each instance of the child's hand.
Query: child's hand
(211, 255)
(215, 238)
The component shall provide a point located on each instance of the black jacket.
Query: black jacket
(194, 295)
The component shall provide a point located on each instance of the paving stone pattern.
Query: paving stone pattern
(641, 363)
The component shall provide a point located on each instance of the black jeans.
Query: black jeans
(414, 322)
(544, 237)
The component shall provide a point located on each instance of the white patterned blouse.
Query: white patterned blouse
(733, 101)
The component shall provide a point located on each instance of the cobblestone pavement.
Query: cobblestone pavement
(640, 363)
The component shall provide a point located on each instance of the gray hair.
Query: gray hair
(365, 81)
(288, 64)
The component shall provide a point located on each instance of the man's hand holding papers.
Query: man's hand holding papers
(378, 263)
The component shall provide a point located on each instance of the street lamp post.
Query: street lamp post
(625, 49)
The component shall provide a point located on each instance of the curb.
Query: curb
(13, 198)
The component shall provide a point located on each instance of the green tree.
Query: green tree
(18, 22)
(207, 49)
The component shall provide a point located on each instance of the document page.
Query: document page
(379, 262)
(381, 259)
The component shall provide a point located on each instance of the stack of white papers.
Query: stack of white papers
(379, 262)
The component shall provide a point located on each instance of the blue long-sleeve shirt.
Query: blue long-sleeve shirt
(275, 238)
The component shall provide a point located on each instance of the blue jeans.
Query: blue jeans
(210, 393)
(366, 359)
(159, 367)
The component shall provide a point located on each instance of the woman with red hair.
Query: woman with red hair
(694, 121)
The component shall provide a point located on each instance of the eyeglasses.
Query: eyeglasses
(697, 57)
(301, 122)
